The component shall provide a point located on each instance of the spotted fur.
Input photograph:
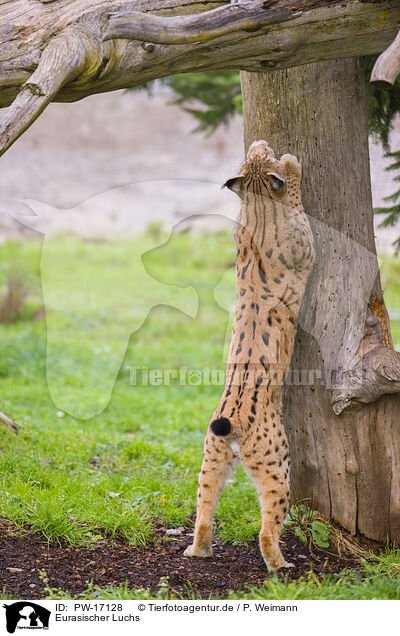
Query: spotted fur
(275, 255)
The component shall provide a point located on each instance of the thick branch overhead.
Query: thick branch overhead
(246, 16)
(55, 50)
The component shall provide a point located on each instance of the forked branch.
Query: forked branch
(62, 60)
(246, 16)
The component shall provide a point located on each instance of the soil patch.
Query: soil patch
(233, 567)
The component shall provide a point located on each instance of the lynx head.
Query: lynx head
(263, 174)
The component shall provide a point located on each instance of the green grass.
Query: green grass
(138, 459)
(390, 274)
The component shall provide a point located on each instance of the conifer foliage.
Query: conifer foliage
(211, 97)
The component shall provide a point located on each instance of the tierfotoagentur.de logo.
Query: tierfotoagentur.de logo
(26, 615)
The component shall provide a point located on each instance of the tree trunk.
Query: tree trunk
(345, 460)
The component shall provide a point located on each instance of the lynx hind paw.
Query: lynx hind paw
(287, 564)
(281, 566)
(291, 165)
(202, 553)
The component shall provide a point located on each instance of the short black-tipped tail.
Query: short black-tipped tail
(221, 426)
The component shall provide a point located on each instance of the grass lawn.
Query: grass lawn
(137, 460)
(390, 274)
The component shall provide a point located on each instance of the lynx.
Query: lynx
(275, 255)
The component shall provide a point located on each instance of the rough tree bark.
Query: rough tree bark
(347, 464)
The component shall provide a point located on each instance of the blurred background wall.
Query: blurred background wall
(74, 152)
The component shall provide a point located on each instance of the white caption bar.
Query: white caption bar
(181, 617)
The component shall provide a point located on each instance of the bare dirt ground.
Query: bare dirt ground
(24, 563)
(75, 152)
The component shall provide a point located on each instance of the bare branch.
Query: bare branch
(246, 16)
(387, 66)
(6, 420)
(320, 33)
(63, 59)
(77, 62)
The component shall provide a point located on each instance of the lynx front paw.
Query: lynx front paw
(193, 551)
(291, 165)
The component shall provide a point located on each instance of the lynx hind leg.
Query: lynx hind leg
(273, 490)
(218, 463)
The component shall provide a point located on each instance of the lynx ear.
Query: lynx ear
(277, 182)
(236, 185)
